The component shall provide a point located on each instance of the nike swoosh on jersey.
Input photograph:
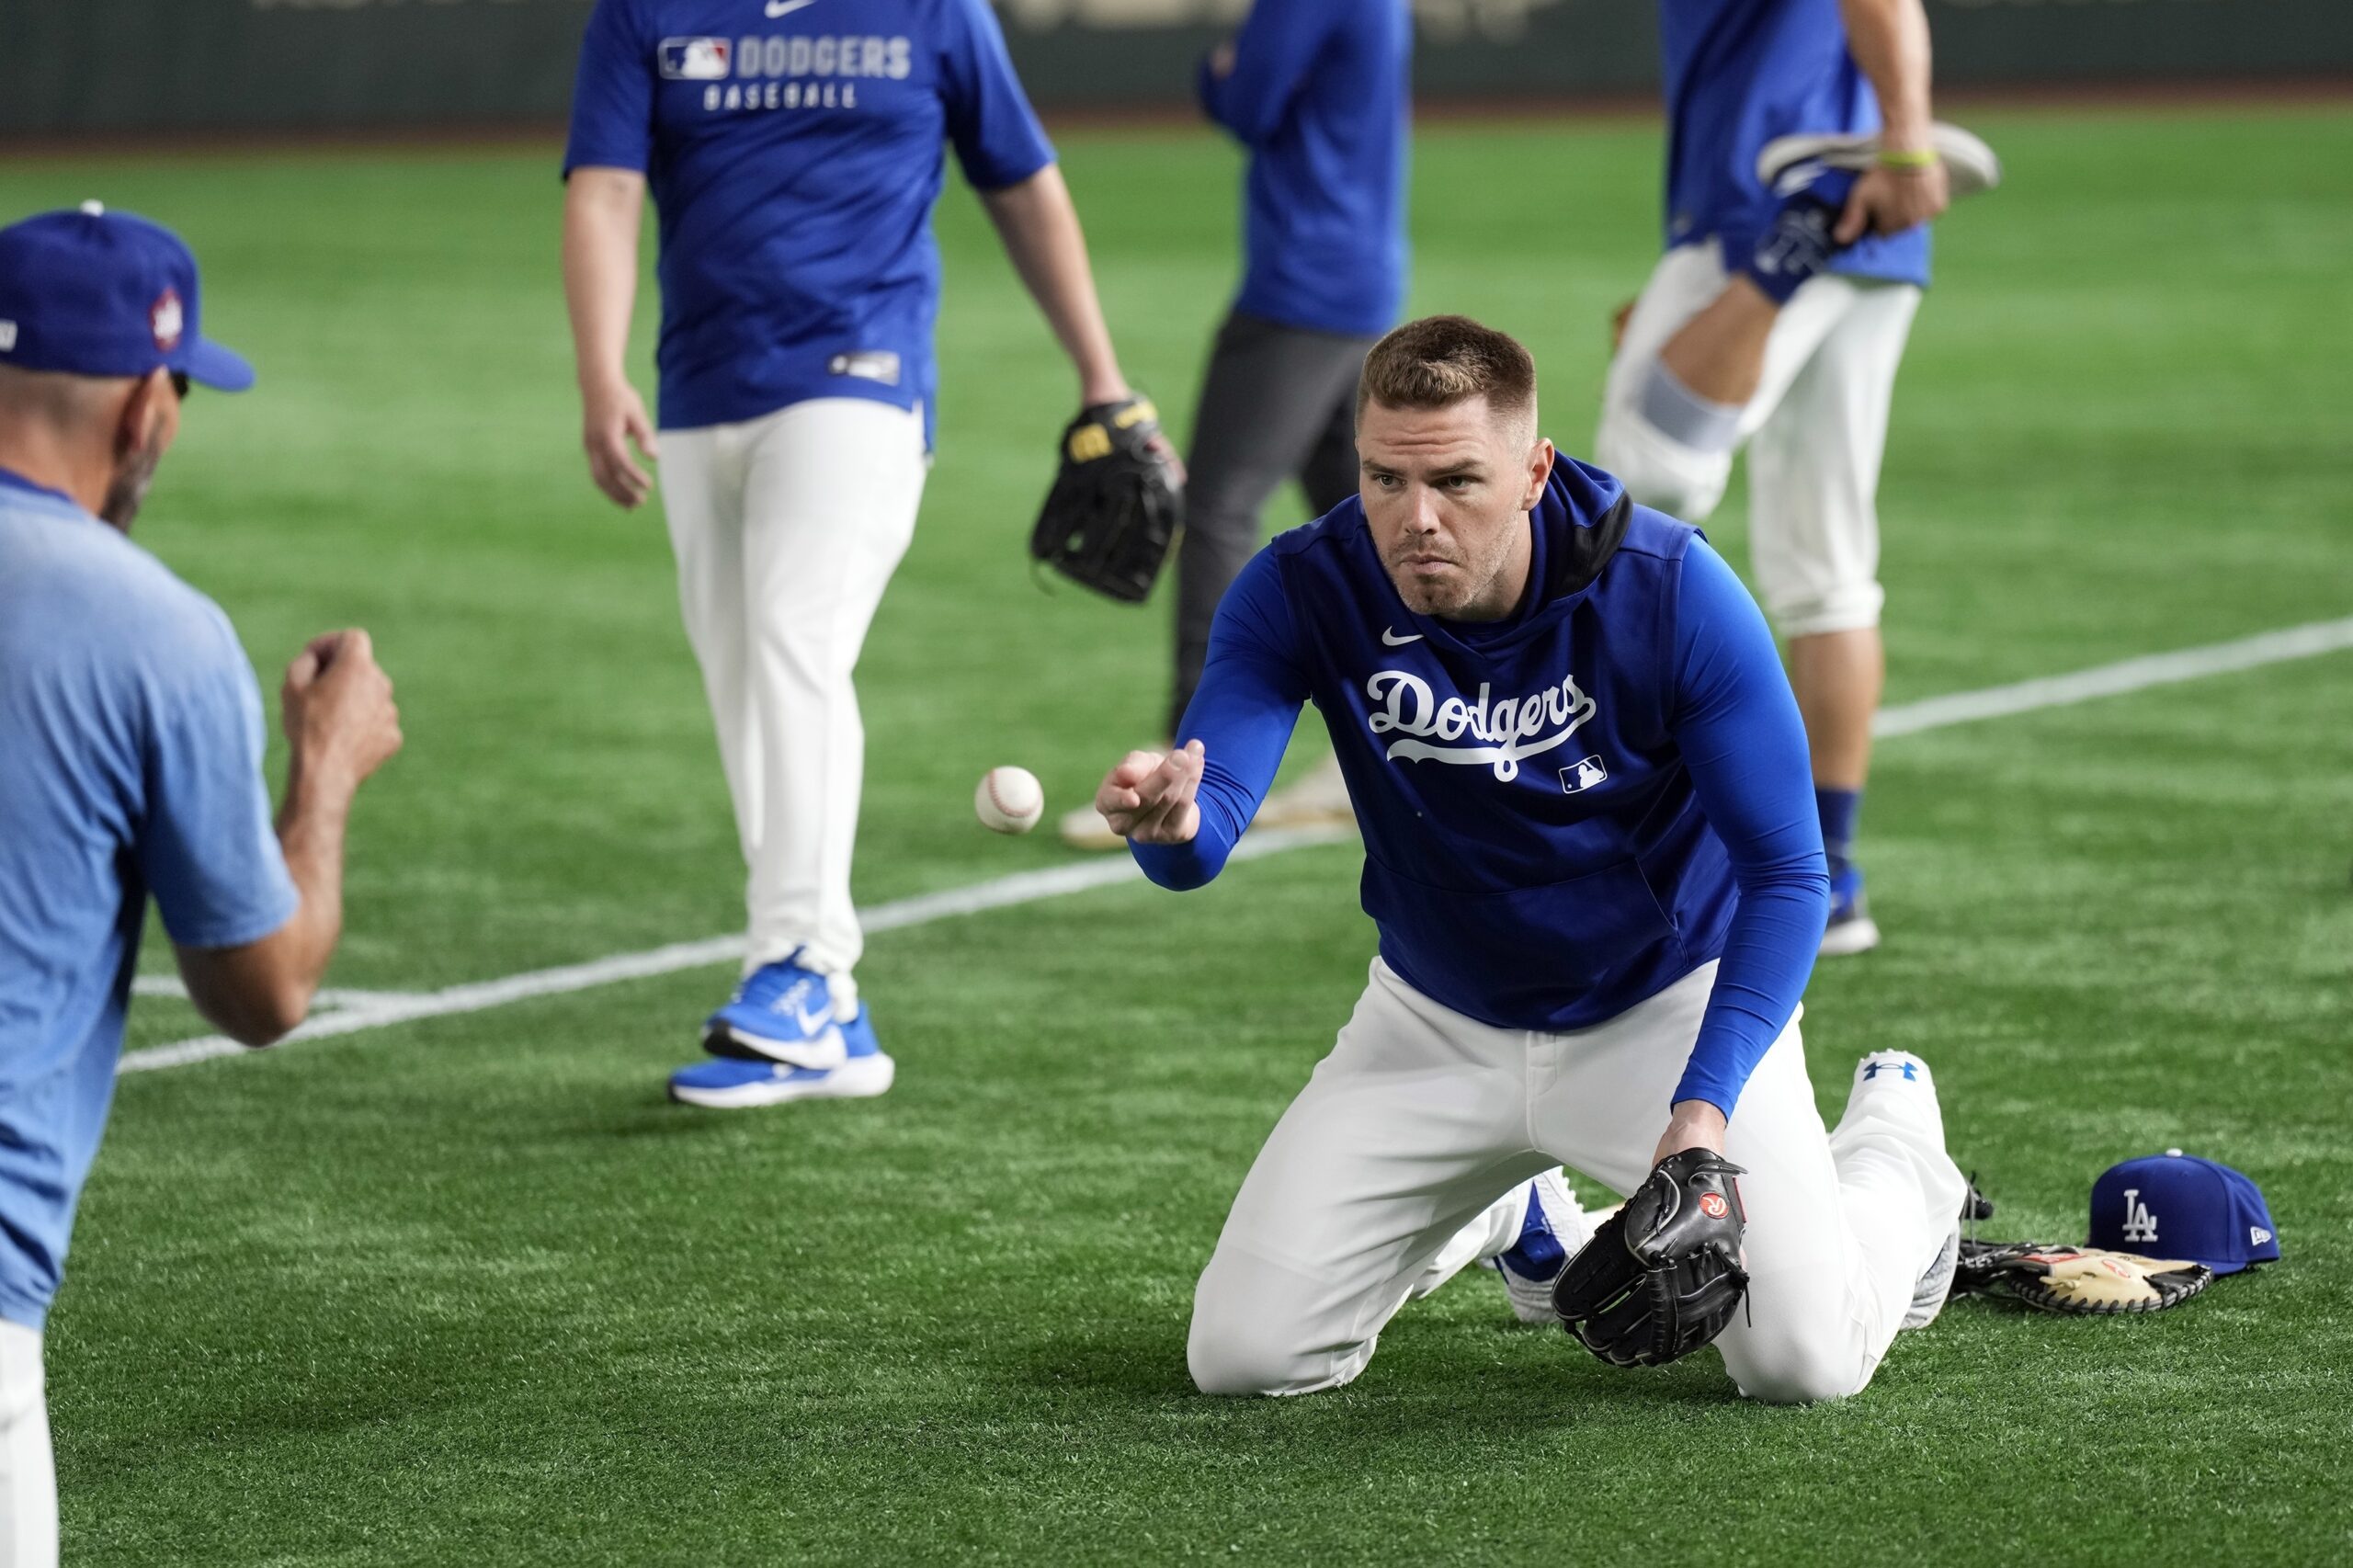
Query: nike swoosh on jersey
(786, 7)
(1392, 640)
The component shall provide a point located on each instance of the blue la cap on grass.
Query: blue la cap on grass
(99, 293)
(2176, 1205)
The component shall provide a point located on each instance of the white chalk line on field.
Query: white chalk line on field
(1023, 887)
(355, 1010)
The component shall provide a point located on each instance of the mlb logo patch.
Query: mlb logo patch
(1583, 775)
(695, 59)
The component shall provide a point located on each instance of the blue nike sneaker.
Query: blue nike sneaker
(1851, 928)
(781, 1012)
(732, 1083)
(1554, 1232)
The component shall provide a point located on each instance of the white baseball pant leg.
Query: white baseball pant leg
(1816, 428)
(787, 529)
(1410, 1145)
(27, 1469)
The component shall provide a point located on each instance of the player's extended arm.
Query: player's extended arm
(1184, 813)
(1889, 40)
(1247, 84)
(342, 724)
(1737, 724)
(1040, 228)
(602, 209)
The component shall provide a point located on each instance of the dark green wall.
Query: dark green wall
(69, 66)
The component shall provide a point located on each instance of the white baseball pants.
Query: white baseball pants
(28, 1470)
(1816, 431)
(786, 529)
(1423, 1125)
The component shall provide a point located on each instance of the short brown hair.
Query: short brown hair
(1439, 361)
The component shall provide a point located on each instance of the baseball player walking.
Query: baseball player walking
(1319, 93)
(1777, 318)
(1592, 854)
(130, 747)
(794, 152)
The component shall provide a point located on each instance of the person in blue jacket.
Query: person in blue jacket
(1592, 854)
(1318, 93)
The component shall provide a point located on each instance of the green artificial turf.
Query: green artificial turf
(468, 1291)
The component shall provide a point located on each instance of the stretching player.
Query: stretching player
(1777, 317)
(794, 166)
(1318, 91)
(1591, 850)
(130, 744)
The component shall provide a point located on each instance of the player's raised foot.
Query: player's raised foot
(728, 1083)
(781, 1012)
(1851, 928)
(1970, 166)
(1320, 799)
(1554, 1231)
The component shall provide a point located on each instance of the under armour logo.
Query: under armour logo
(1872, 1069)
(2139, 1225)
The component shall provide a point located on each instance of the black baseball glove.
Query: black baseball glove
(1115, 505)
(2087, 1281)
(1662, 1275)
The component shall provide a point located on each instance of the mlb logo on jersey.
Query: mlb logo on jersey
(694, 59)
(1586, 772)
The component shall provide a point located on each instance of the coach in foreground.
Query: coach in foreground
(130, 744)
(1592, 852)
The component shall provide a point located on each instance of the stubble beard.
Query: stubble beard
(129, 490)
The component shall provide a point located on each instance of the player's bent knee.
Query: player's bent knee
(1228, 1354)
(1242, 1342)
(1853, 607)
(1658, 472)
(1806, 1375)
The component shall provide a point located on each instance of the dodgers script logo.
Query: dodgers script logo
(2139, 1225)
(1513, 728)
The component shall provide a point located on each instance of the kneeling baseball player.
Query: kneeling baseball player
(1592, 851)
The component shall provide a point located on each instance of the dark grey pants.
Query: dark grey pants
(1278, 403)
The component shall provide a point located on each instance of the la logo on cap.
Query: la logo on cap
(166, 318)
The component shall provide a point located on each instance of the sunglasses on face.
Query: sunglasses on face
(179, 385)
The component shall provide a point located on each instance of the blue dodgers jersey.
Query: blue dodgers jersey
(130, 746)
(793, 160)
(1740, 72)
(1543, 791)
(1564, 810)
(1321, 94)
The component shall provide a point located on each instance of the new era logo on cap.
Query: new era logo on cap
(8, 336)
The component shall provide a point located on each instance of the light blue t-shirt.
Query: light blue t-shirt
(130, 744)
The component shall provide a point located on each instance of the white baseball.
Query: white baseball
(1009, 800)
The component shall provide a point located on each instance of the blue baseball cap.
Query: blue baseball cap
(2176, 1205)
(98, 293)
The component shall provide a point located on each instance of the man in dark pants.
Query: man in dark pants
(1318, 91)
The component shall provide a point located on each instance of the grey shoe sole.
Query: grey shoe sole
(1970, 166)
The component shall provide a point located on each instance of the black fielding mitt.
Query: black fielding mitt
(1662, 1275)
(2080, 1281)
(1115, 506)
